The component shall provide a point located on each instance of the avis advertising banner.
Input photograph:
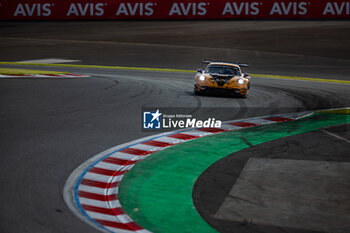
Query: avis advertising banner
(172, 9)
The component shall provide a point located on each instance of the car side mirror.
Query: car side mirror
(200, 71)
(245, 75)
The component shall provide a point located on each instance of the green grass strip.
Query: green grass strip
(337, 111)
(99, 67)
(173, 70)
(8, 71)
(157, 192)
(302, 78)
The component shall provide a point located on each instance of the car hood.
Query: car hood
(223, 76)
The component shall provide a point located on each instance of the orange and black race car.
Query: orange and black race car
(222, 77)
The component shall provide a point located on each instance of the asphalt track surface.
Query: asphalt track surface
(50, 126)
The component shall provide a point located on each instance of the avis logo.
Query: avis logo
(151, 120)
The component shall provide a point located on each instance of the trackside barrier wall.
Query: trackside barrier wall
(173, 9)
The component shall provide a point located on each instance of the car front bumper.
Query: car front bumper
(213, 90)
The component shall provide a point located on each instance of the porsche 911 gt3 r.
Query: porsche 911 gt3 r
(222, 77)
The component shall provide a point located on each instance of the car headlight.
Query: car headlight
(202, 77)
(240, 81)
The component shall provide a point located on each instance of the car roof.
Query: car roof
(224, 64)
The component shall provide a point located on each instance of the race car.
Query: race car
(222, 78)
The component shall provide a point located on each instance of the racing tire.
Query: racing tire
(245, 96)
(196, 92)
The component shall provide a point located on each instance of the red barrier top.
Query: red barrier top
(172, 9)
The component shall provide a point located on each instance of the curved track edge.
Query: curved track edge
(334, 81)
(91, 191)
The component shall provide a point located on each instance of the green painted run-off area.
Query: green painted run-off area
(157, 192)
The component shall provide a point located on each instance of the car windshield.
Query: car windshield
(217, 69)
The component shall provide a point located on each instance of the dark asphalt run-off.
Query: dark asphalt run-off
(296, 184)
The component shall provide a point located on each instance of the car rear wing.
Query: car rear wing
(239, 64)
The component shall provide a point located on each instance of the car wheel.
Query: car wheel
(245, 95)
